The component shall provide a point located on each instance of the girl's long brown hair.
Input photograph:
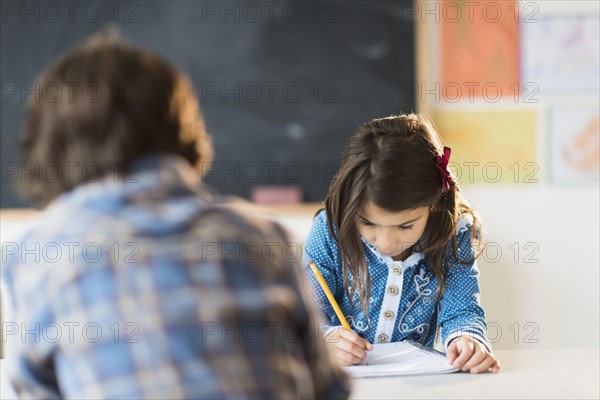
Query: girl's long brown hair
(392, 163)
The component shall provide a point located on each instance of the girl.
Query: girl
(397, 245)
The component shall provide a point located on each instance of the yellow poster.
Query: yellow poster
(490, 146)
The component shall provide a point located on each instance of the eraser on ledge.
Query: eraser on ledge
(276, 194)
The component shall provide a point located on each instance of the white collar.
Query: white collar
(412, 260)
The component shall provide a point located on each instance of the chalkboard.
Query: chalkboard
(282, 84)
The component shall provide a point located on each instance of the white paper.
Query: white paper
(401, 358)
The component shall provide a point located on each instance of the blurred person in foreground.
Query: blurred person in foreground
(140, 284)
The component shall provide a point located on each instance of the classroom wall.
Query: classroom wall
(542, 290)
(539, 273)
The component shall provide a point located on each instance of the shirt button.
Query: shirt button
(393, 290)
(397, 270)
(388, 315)
(383, 338)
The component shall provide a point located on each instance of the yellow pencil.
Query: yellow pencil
(325, 288)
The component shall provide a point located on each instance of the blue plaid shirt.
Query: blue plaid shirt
(143, 287)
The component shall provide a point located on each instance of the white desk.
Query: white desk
(542, 374)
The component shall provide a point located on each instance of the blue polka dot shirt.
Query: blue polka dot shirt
(402, 305)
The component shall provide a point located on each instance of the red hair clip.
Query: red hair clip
(441, 162)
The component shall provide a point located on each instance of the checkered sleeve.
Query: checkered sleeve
(330, 381)
(274, 298)
(211, 307)
(29, 354)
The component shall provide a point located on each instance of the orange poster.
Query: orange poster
(480, 49)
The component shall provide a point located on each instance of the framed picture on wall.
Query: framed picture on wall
(492, 145)
(560, 52)
(575, 143)
(479, 51)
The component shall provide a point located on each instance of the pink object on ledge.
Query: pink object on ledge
(276, 194)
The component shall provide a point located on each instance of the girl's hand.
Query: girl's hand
(468, 354)
(346, 347)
